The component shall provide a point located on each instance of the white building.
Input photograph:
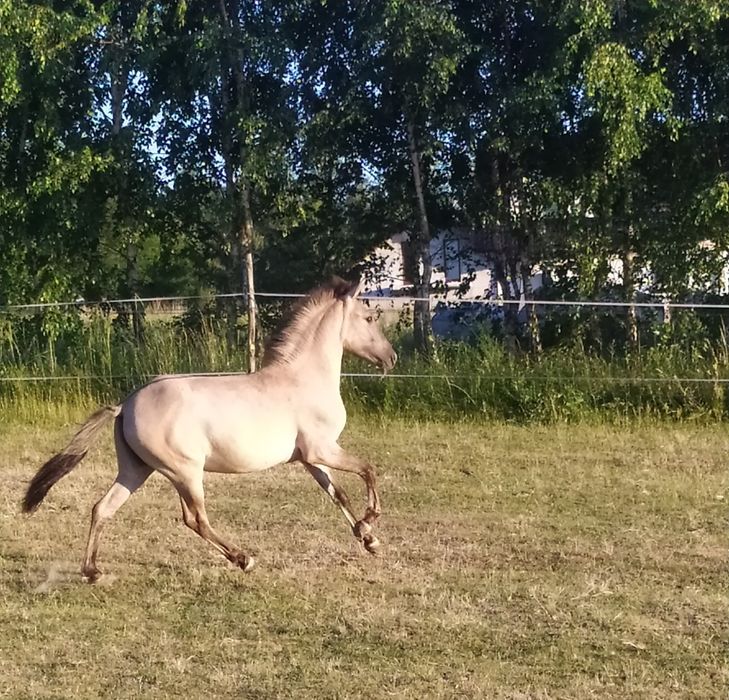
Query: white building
(460, 269)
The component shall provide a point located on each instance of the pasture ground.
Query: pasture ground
(520, 562)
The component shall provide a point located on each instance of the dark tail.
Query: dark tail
(61, 464)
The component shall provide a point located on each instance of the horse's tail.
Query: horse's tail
(61, 464)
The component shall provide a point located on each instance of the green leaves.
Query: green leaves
(68, 172)
(34, 34)
(555, 130)
(625, 97)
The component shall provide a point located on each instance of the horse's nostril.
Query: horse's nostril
(393, 359)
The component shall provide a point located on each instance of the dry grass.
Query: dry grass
(521, 562)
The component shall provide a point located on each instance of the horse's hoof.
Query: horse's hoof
(372, 544)
(362, 530)
(246, 563)
(91, 575)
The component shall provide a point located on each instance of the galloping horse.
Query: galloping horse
(290, 410)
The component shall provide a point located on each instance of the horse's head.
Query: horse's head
(361, 333)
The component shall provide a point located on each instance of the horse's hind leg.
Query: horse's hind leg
(132, 474)
(192, 500)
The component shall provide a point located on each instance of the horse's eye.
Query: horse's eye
(370, 319)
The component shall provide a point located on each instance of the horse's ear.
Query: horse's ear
(343, 289)
(356, 288)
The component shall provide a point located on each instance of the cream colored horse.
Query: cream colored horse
(290, 410)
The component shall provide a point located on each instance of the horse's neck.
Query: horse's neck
(321, 359)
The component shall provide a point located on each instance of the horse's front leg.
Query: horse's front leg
(323, 477)
(336, 458)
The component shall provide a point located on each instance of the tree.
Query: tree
(166, 147)
(124, 134)
(511, 167)
(650, 101)
(219, 78)
(47, 159)
(385, 68)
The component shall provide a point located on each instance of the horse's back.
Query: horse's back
(225, 423)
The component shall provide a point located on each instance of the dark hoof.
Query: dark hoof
(372, 544)
(244, 562)
(363, 532)
(91, 575)
(362, 529)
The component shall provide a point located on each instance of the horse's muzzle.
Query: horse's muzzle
(389, 362)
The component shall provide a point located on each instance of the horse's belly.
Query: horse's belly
(251, 453)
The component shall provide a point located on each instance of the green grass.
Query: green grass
(96, 362)
(520, 562)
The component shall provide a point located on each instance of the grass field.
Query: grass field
(520, 562)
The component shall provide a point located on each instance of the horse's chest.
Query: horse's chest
(322, 425)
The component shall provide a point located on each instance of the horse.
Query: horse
(290, 410)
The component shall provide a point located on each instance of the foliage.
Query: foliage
(139, 140)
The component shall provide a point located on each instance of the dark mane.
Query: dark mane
(296, 327)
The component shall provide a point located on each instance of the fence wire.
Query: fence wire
(371, 298)
(378, 300)
(381, 377)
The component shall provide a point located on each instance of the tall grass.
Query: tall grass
(98, 360)
(564, 384)
(94, 359)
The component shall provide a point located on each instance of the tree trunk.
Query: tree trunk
(233, 264)
(118, 79)
(510, 325)
(244, 227)
(629, 256)
(119, 82)
(516, 291)
(535, 336)
(247, 249)
(22, 141)
(137, 308)
(422, 325)
(503, 257)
